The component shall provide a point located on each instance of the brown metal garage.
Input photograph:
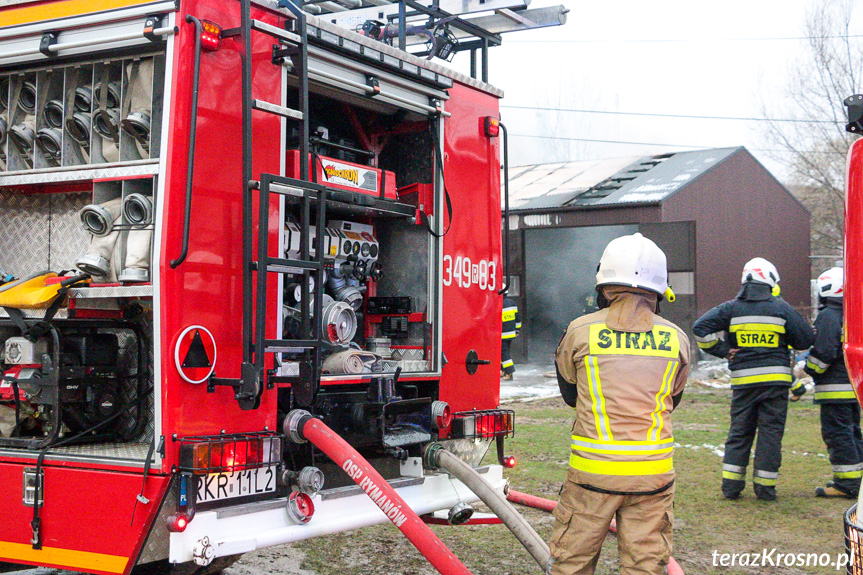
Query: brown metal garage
(709, 210)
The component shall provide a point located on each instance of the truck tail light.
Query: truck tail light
(492, 127)
(228, 453)
(483, 424)
(211, 35)
(509, 461)
(177, 523)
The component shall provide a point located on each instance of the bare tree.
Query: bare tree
(814, 146)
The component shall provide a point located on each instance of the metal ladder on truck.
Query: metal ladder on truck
(303, 193)
(256, 270)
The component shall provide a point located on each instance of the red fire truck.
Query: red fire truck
(233, 232)
(853, 306)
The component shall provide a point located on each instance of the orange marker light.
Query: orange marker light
(492, 127)
(211, 35)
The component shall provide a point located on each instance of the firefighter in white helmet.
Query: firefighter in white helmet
(840, 412)
(623, 369)
(754, 332)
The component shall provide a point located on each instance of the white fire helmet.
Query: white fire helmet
(634, 261)
(831, 282)
(760, 270)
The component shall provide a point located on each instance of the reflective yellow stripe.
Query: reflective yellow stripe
(67, 558)
(764, 481)
(631, 442)
(625, 451)
(603, 427)
(848, 474)
(661, 395)
(63, 9)
(518, 325)
(509, 315)
(733, 476)
(507, 335)
(507, 363)
(835, 395)
(761, 378)
(707, 344)
(814, 367)
(661, 341)
(621, 467)
(771, 327)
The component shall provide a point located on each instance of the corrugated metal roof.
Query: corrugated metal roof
(614, 181)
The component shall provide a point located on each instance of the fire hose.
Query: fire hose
(300, 426)
(548, 505)
(437, 456)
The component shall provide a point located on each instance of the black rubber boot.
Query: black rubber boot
(765, 493)
(732, 489)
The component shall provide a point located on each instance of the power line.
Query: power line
(594, 140)
(606, 141)
(657, 115)
(687, 40)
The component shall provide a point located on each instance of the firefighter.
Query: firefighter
(754, 332)
(840, 412)
(510, 328)
(623, 369)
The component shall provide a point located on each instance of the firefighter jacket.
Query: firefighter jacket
(761, 327)
(826, 362)
(626, 364)
(511, 319)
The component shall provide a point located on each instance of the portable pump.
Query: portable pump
(88, 392)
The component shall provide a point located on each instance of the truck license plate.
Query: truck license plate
(220, 486)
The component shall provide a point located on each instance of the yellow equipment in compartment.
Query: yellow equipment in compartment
(34, 292)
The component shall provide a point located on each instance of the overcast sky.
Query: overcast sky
(662, 57)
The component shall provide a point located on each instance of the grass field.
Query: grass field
(796, 523)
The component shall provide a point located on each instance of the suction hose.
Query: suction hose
(543, 504)
(300, 426)
(437, 456)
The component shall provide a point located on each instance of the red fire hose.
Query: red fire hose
(549, 505)
(300, 426)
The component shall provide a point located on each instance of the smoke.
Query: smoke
(560, 281)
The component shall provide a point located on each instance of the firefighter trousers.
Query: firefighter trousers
(760, 410)
(840, 429)
(507, 365)
(582, 518)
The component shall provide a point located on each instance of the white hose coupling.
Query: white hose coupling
(203, 552)
(293, 424)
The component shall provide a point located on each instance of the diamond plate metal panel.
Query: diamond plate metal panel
(41, 231)
(112, 291)
(59, 176)
(156, 546)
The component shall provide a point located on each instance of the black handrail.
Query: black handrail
(193, 125)
(505, 282)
